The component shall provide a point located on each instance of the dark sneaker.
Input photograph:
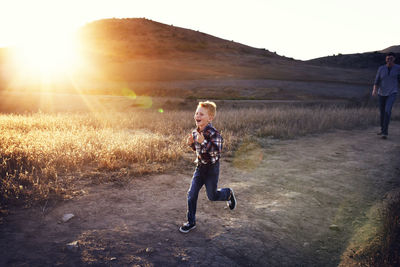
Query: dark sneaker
(187, 227)
(231, 201)
(384, 136)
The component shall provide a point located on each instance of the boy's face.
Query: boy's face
(202, 117)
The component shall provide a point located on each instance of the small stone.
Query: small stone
(306, 244)
(67, 217)
(334, 227)
(113, 258)
(149, 250)
(73, 245)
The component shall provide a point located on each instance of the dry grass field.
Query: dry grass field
(43, 154)
(126, 173)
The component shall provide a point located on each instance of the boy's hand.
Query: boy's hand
(190, 139)
(200, 138)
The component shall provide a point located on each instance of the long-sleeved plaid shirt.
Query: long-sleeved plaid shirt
(209, 151)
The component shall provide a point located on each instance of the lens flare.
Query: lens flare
(145, 101)
(248, 156)
(129, 93)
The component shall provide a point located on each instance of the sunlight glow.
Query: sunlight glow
(300, 29)
(48, 56)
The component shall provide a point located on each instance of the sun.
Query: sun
(48, 56)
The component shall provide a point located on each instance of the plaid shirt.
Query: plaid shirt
(210, 150)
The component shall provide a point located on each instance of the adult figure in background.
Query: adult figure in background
(386, 86)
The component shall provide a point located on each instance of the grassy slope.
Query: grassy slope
(155, 51)
(124, 52)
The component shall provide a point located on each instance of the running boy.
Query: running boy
(207, 142)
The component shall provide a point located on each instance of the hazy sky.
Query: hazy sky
(302, 29)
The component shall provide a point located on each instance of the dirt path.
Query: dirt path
(289, 194)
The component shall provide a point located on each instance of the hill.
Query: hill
(163, 52)
(368, 60)
(156, 59)
(142, 38)
(393, 48)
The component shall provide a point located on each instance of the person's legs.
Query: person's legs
(193, 193)
(382, 104)
(211, 182)
(388, 112)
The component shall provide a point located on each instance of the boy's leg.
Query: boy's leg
(193, 193)
(388, 112)
(211, 182)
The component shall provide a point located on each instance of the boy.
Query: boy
(207, 142)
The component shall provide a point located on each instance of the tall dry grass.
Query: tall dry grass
(377, 242)
(38, 151)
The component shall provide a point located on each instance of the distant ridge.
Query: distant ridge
(368, 60)
(393, 48)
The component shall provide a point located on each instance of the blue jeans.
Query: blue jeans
(205, 175)
(385, 108)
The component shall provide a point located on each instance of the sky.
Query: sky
(302, 29)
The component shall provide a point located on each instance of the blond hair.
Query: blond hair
(210, 106)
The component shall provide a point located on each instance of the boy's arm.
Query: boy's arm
(193, 147)
(190, 142)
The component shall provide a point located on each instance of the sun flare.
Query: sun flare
(48, 57)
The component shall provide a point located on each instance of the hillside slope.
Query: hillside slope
(368, 60)
(156, 59)
(393, 48)
(141, 49)
(142, 38)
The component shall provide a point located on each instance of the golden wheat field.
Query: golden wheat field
(41, 154)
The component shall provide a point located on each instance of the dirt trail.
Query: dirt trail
(289, 194)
